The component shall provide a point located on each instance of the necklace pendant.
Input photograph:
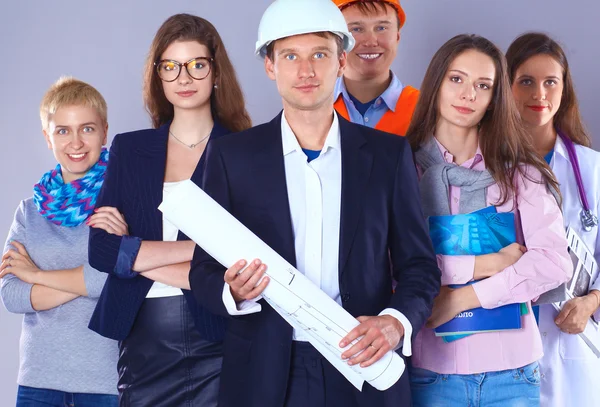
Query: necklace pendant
(190, 146)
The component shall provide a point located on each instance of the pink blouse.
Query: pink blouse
(545, 265)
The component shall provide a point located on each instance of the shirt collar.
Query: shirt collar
(389, 96)
(470, 163)
(340, 89)
(290, 142)
(561, 149)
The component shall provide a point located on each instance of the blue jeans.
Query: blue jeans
(33, 397)
(507, 388)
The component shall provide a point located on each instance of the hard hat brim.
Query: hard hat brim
(261, 47)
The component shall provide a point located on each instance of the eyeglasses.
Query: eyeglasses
(197, 68)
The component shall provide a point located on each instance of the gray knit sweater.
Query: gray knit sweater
(57, 349)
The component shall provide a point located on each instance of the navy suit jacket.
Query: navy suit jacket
(134, 185)
(382, 235)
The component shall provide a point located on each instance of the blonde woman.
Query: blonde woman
(45, 272)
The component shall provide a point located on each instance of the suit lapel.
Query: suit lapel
(269, 167)
(357, 163)
(217, 131)
(152, 157)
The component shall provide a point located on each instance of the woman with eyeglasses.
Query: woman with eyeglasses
(170, 347)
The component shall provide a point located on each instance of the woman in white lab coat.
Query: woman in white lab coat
(543, 89)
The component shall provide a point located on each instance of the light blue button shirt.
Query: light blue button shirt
(386, 101)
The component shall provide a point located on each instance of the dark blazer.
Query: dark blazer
(382, 235)
(134, 185)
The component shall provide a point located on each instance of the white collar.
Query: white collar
(290, 142)
(561, 149)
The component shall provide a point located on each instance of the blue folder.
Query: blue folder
(482, 232)
(472, 233)
(481, 320)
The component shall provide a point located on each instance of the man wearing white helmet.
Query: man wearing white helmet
(339, 201)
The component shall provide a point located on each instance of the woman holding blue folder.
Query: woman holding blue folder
(472, 153)
(545, 95)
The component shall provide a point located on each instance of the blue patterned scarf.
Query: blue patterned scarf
(69, 204)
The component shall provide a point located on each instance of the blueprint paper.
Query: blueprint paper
(300, 302)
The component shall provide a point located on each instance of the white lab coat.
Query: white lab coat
(570, 371)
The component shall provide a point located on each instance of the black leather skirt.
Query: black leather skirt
(164, 362)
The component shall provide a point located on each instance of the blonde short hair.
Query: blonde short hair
(68, 91)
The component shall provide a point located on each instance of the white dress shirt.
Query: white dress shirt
(170, 232)
(315, 195)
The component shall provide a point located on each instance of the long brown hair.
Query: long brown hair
(226, 101)
(504, 142)
(567, 118)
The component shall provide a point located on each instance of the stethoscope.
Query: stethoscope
(588, 219)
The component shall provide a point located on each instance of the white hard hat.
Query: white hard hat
(285, 18)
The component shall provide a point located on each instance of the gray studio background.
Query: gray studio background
(105, 43)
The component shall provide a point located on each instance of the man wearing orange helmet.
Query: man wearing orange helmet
(369, 93)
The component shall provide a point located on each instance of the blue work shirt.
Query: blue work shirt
(386, 101)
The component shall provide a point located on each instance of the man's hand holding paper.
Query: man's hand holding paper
(376, 336)
(246, 283)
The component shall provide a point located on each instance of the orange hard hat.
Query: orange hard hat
(394, 3)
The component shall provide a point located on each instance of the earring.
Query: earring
(215, 86)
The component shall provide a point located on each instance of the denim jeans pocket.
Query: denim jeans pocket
(530, 373)
(423, 377)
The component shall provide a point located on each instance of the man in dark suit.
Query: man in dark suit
(337, 200)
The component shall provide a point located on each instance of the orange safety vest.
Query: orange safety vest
(396, 122)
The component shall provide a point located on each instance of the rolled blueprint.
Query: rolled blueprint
(298, 300)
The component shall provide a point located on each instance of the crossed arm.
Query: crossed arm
(47, 289)
(27, 288)
(164, 262)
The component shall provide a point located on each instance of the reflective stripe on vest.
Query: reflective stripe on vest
(396, 122)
